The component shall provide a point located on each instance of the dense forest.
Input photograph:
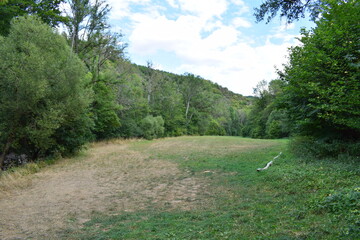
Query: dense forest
(60, 90)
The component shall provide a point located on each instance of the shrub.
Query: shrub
(324, 148)
(152, 127)
(215, 129)
(345, 205)
(44, 101)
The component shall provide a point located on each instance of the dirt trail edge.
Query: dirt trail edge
(111, 178)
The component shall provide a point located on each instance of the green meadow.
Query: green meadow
(293, 199)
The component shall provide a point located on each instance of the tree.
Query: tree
(89, 35)
(323, 75)
(152, 127)
(167, 102)
(43, 98)
(190, 87)
(290, 9)
(105, 109)
(265, 119)
(131, 97)
(47, 10)
(150, 80)
(99, 49)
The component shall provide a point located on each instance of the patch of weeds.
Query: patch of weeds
(310, 148)
(344, 207)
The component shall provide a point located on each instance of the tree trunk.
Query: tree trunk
(187, 109)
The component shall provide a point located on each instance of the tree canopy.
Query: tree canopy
(323, 75)
(47, 10)
(292, 10)
(43, 99)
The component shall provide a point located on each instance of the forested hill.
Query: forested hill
(235, 98)
(183, 104)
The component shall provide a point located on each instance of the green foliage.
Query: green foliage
(130, 95)
(167, 102)
(105, 111)
(47, 10)
(346, 200)
(322, 92)
(152, 127)
(266, 119)
(344, 205)
(43, 98)
(277, 124)
(215, 129)
(291, 10)
(105, 108)
(310, 147)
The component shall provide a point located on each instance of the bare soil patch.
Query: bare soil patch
(110, 178)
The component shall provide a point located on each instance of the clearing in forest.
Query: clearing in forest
(174, 188)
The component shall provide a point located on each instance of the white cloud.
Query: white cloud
(238, 2)
(204, 8)
(241, 22)
(241, 67)
(243, 7)
(121, 8)
(204, 45)
(222, 56)
(153, 34)
(173, 3)
(221, 38)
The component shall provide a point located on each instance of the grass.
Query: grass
(293, 199)
(17, 178)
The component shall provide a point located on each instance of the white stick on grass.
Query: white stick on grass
(269, 163)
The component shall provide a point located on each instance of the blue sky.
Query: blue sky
(216, 39)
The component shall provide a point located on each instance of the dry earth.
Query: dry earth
(110, 178)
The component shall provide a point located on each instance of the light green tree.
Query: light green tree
(43, 98)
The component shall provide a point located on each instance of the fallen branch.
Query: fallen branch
(268, 164)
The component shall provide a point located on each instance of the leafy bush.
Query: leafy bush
(152, 127)
(347, 200)
(273, 129)
(345, 206)
(105, 111)
(43, 95)
(129, 128)
(310, 147)
(277, 125)
(215, 129)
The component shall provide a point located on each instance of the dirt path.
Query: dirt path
(109, 179)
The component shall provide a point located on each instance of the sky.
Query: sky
(218, 40)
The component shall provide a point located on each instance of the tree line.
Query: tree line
(317, 95)
(62, 90)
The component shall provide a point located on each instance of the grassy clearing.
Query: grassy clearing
(293, 199)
